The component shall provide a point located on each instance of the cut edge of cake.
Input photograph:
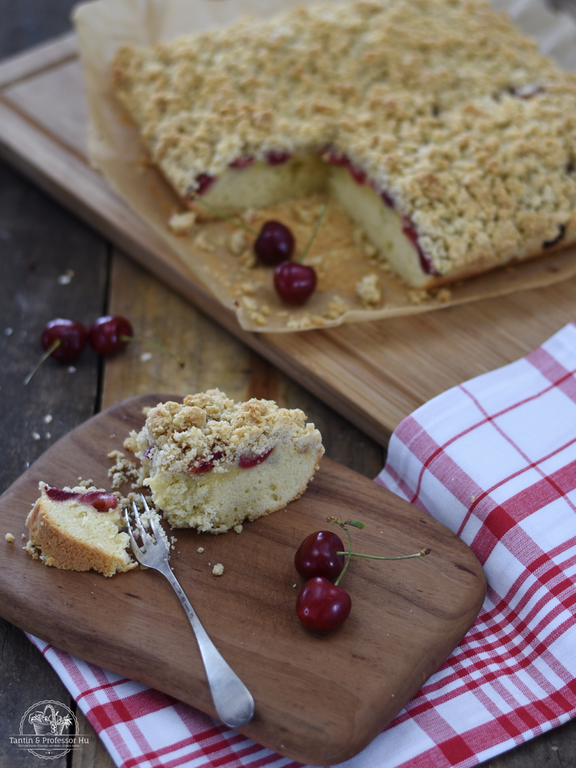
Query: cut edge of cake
(68, 532)
(211, 463)
(442, 193)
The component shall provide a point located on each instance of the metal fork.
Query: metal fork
(232, 700)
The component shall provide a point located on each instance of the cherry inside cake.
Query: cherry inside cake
(436, 124)
(211, 463)
(78, 529)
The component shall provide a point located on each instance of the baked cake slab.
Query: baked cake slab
(435, 123)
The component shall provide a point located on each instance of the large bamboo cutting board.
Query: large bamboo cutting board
(320, 697)
(373, 373)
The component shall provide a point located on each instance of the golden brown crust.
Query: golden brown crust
(51, 541)
(444, 103)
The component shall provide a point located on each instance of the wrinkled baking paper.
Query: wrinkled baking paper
(339, 254)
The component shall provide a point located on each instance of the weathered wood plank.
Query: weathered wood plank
(25, 679)
(94, 754)
(37, 59)
(39, 243)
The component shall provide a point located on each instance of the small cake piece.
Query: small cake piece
(78, 529)
(211, 463)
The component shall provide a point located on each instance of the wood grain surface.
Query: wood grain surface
(375, 373)
(320, 697)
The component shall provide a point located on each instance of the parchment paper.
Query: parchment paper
(338, 253)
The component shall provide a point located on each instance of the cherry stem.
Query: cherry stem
(377, 557)
(55, 344)
(314, 233)
(348, 554)
(155, 345)
(229, 219)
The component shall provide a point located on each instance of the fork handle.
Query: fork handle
(233, 701)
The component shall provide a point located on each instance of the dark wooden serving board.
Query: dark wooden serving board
(320, 698)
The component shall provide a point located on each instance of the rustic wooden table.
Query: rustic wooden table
(41, 243)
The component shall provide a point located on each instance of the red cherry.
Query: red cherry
(316, 556)
(245, 462)
(278, 157)
(334, 157)
(388, 199)
(204, 182)
(321, 605)
(294, 282)
(107, 335)
(59, 494)
(357, 174)
(244, 161)
(204, 466)
(72, 337)
(101, 501)
(274, 244)
(409, 230)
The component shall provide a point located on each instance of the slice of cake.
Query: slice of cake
(211, 463)
(78, 529)
(436, 124)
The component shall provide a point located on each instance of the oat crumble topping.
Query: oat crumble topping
(418, 296)
(209, 426)
(444, 295)
(237, 242)
(123, 470)
(182, 223)
(368, 290)
(443, 103)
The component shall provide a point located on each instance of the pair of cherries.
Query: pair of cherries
(66, 339)
(321, 559)
(321, 604)
(294, 282)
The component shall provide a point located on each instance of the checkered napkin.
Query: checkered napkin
(495, 460)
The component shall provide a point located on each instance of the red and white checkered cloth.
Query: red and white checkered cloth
(495, 460)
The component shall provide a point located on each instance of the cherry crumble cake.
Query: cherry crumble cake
(436, 124)
(211, 463)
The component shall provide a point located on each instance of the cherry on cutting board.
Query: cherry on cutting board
(110, 334)
(322, 605)
(317, 556)
(321, 559)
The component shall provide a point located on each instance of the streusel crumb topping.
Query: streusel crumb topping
(210, 429)
(443, 103)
